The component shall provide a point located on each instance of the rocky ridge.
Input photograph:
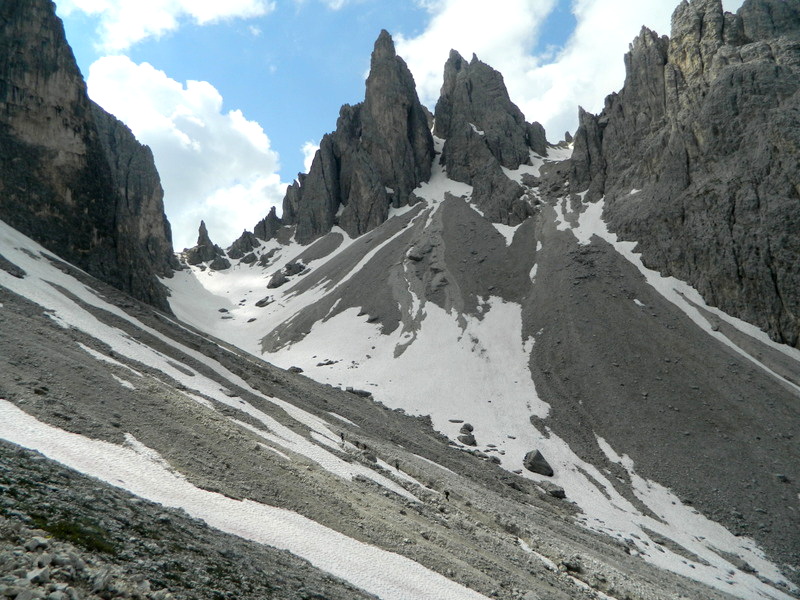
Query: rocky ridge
(667, 153)
(72, 176)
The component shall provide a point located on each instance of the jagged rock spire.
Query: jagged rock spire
(485, 131)
(475, 94)
(381, 150)
(206, 251)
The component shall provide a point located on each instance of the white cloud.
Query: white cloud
(548, 88)
(214, 165)
(331, 4)
(309, 149)
(125, 22)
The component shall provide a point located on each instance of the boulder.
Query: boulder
(536, 463)
(278, 279)
(551, 489)
(467, 439)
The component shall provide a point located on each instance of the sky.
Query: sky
(233, 97)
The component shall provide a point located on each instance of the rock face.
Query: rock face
(140, 208)
(71, 176)
(720, 93)
(381, 150)
(485, 131)
(246, 243)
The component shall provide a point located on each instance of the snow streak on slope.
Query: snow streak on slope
(39, 286)
(681, 294)
(142, 472)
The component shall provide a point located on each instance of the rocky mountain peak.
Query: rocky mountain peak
(203, 239)
(484, 131)
(475, 94)
(696, 107)
(206, 251)
(381, 150)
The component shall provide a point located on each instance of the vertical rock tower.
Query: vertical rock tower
(381, 150)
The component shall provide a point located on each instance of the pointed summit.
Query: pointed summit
(381, 150)
(475, 94)
(206, 251)
(485, 131)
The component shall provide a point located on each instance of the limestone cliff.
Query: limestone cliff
(71, 176)
(706, 126)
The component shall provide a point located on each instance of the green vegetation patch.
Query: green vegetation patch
(87, 535)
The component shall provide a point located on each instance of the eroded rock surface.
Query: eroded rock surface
(381, 150)
(721, 93)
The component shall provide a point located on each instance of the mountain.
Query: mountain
(449, 369)
(71, 175)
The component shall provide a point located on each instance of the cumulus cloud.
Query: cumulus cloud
(547, 87)
(214, 165)
(125, 22)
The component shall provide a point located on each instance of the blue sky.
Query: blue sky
(233, 96)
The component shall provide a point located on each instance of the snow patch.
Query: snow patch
(507, 231)
(138, 470)
(124, 383)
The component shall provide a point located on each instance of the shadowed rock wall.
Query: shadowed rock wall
(72, 177)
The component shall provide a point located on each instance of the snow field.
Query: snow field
(36, 287)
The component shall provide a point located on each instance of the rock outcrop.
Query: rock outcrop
(485, 131)
(71, 176)
(246, 243)
(206, 251)
(381, 150)
(267, 228)
(140, 209)
(722, 92)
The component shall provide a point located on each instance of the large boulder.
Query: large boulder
(536, 463)
(484, 131)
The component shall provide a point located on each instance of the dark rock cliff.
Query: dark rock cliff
(381, 150)
(707, 126)
(71, 176)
